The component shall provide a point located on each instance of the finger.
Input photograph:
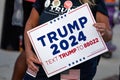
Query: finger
(31, 64)
(36, 60)
(99, 25)
(33, 67)
(101, 31)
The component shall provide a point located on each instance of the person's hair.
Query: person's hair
(90, 2)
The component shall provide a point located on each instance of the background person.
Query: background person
(20, 65)
(110, 4)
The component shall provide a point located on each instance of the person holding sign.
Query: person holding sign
(46, 10)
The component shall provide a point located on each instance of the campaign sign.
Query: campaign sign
(67, 40)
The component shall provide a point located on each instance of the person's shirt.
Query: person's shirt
(49, 9)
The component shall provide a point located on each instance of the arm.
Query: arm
(103, 26)
(30, 56)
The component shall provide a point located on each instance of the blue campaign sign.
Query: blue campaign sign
(67, 40)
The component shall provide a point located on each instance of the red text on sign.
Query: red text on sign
(50, 61)
(63, 55)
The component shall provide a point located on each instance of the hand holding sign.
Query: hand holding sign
(67, 41)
